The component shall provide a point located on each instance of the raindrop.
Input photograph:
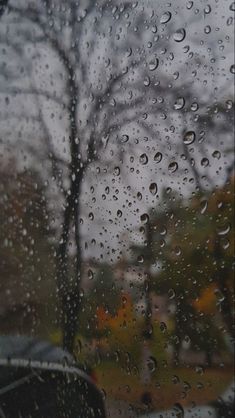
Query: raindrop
(189, 5)
(204, 162)
(216, 154)
(158, 157)
(165, 17)
(124, 138)
(140, 259)
(189, 137)
(172, 167)
(119, 213)
(147, 81)
(116, 171)
(203, 206)
(207, 9)
(223, 230)
(139, 196)
(163, 327)
(229, 104)
(232, 69)
(232, 6)
(175, 379)
(153, 188)
(144, 218)
(129, 52)
(143, 159)
(153, 64)
(152, 364)
(179, 35)
(194, 107)
(207, 29)
(90, 274)
(179, 103)
(171, 293)
(91, 216)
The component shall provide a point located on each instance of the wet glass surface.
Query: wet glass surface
(116, 201)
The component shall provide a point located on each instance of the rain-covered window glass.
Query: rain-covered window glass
(116, 202)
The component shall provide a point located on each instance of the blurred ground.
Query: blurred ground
(189, 386)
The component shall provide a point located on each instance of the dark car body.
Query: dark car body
(41, 381)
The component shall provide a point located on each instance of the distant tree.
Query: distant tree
(191, 242)
(26, 250)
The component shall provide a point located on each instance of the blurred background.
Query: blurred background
(117, 191)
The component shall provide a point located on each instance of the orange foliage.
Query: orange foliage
(206, 303)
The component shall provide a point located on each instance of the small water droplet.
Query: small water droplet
(147, 81)
(158, 157)
(207, 29)
(91, 216)
(172, 167)
(207, 9)
(163, 326)
(204, 162)
(229, 104)
(152, 364)
(116, 171)
(139, 196)
(216, 154)
(232, 69)
(203, 206)
(194, 107)
(140, 259)
(171, 293)
(143, 159)
(90, 274)
(153, 188)
(119, 213)
(175, 379)
(189, 5)
(232, 6)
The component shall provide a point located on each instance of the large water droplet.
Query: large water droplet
(189, 137)
(153, 64)
(179, 35)
(165, 17)
(179, 103)
(144, 218)
(124, 138)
